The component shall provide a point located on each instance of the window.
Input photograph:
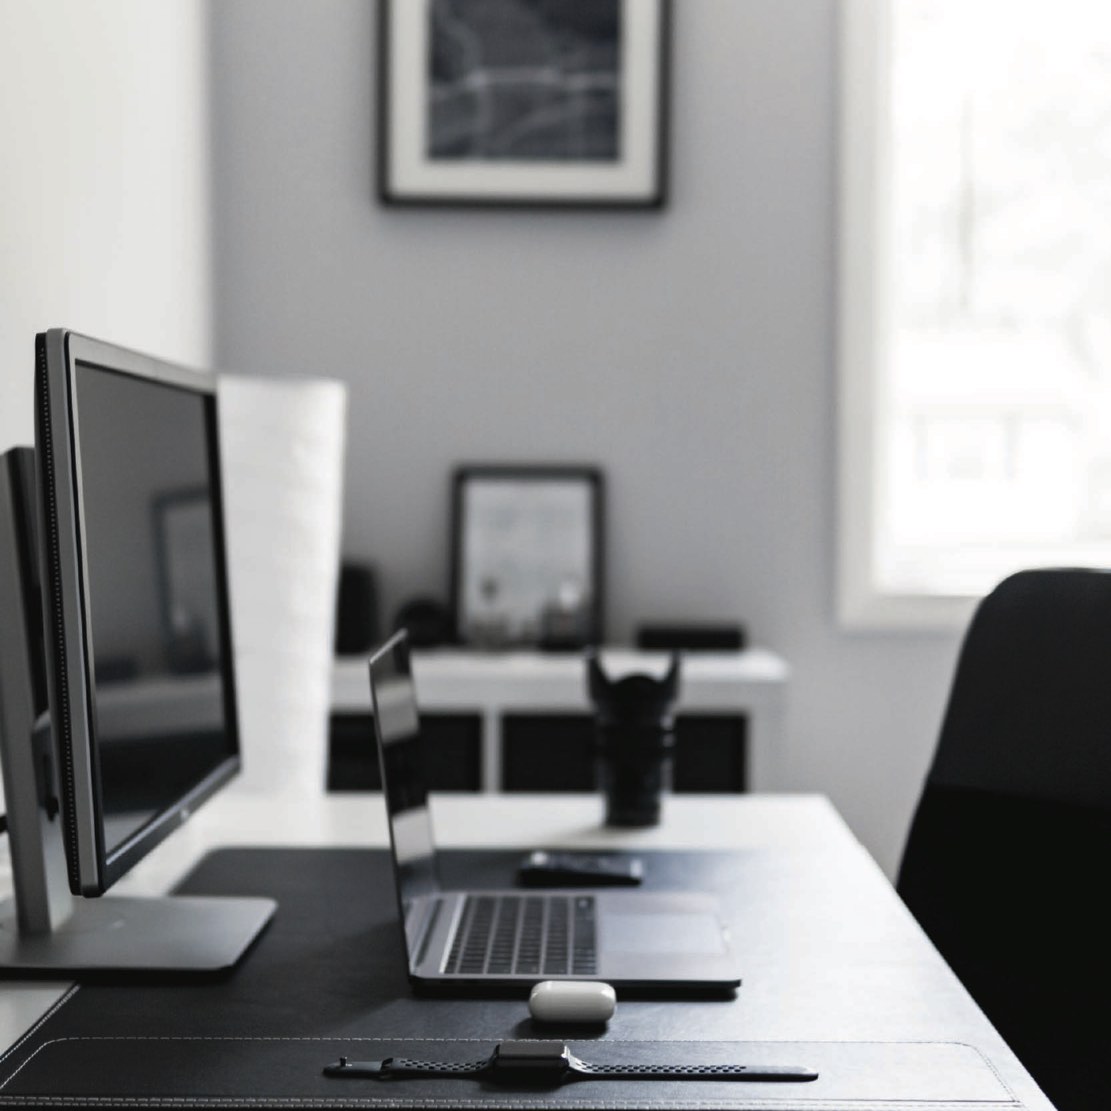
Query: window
(975, 284)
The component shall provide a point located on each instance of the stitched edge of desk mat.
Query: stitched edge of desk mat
(166, 1072)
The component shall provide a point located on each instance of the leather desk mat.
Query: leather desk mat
(326, 979)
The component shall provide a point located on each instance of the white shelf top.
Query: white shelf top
(461, 677)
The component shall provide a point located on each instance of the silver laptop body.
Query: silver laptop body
(516, 937)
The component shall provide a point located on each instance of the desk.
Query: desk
(846, 964)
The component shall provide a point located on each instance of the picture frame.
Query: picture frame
(520, 104)
(527, 556)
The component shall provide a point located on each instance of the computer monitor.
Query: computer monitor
(138, 653)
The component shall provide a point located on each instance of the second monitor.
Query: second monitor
(138, 662)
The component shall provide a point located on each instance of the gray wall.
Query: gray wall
(689, 352)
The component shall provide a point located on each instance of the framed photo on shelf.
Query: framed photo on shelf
(527, 556)
(523, 103)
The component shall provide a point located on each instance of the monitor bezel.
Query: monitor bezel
(92, 866)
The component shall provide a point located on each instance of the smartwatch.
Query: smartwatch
(550, 1063)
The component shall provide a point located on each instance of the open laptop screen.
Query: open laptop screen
(401, 763)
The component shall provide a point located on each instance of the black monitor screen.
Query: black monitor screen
(156, 633)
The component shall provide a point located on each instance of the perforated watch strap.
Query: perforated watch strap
(692, 1072)
(409, 1066)
(550, 1063)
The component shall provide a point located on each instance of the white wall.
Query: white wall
(689, 352)
(104, 177)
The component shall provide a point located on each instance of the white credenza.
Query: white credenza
(727, 700)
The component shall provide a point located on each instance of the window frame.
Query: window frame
(863, 272)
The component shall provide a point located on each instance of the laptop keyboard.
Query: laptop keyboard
(525, 935)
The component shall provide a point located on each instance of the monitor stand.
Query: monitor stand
(172, 934)
(44, 930)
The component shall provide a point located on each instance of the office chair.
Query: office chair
(1007, 860)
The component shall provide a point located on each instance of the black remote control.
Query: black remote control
(579, 869)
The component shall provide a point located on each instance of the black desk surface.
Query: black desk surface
(824, 986)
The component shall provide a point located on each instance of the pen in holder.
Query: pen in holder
(635, 738)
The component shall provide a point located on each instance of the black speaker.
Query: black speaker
(427, 620)
(721, 637)
(357, 630)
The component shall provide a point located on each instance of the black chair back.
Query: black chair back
(1007, 857)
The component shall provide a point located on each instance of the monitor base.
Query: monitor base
(172, 934)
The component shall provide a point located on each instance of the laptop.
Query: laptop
(477, 940)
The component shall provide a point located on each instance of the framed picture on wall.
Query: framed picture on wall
(523, 102)
(527, 556)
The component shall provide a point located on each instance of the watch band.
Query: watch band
(550, 1062)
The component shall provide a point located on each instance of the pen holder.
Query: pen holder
(635, 739)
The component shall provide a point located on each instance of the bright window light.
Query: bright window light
(982, 132)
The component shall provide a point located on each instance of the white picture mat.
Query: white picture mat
(633, 176)
(529, 537)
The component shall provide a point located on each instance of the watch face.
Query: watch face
(526, 1051)
(539, 1062)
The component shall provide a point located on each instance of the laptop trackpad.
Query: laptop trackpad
(661, 933)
